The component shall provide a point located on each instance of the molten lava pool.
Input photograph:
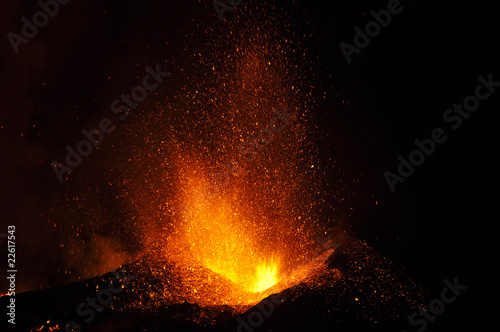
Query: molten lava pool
(225, 253)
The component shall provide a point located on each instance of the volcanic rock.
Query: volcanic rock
(354, 288)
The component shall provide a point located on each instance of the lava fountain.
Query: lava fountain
(245, 169)
(220, 236)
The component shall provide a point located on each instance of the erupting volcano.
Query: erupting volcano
(244, 171)
(227, 185)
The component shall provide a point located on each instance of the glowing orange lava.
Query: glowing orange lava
(266, 276)
(239, 241)
(220, 237)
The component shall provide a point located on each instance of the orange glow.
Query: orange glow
(218, 231)
(219, 237)
(242, 240)
(266, 276)
(49, 328)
